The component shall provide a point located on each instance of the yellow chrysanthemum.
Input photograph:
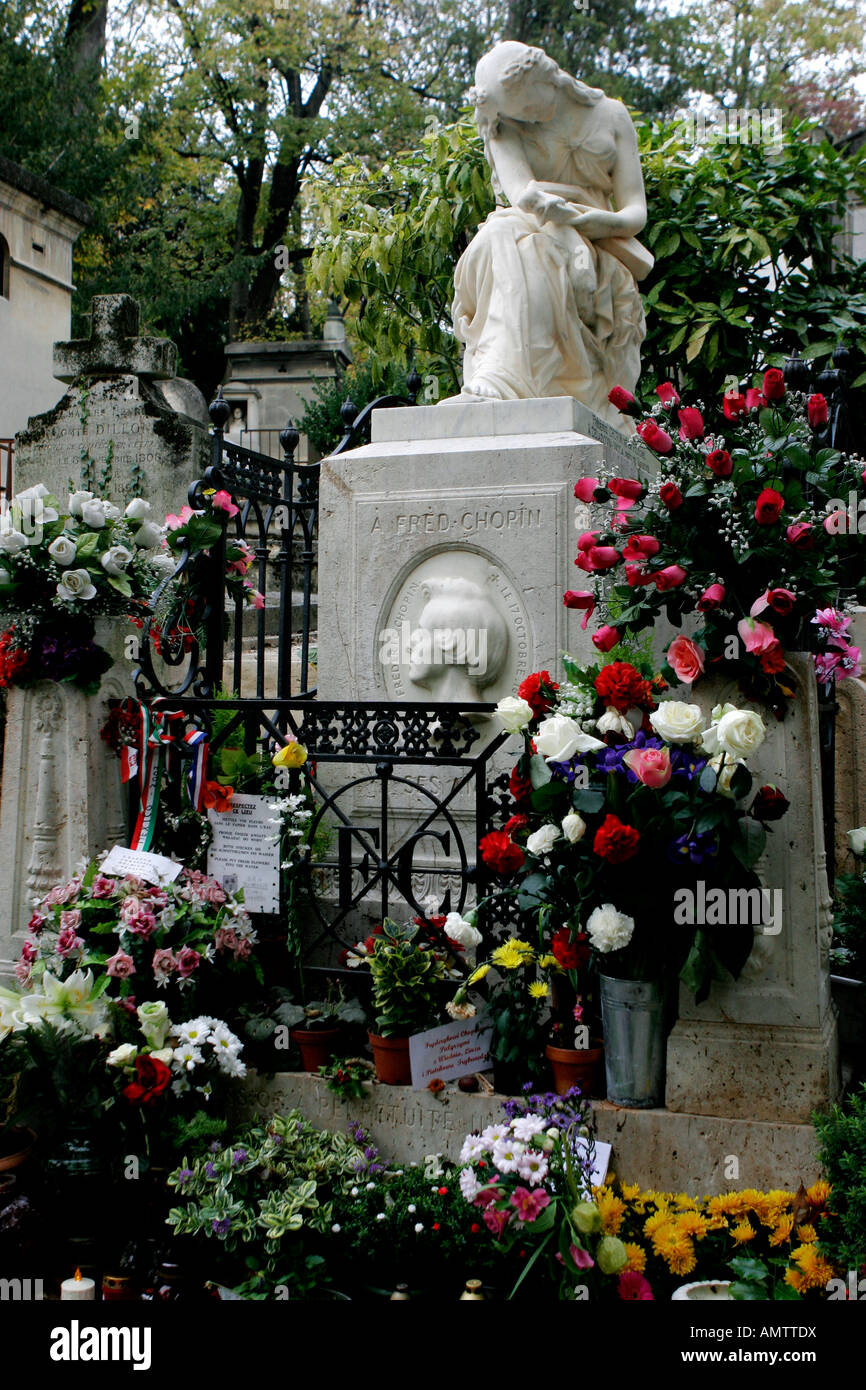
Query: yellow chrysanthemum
(538, 990)
(636, 1257)
(818, 1194)
(725, 1204)
(782, 1232)
(657, 1222)
(743, 1232)
(675, 1249)
(512, 955)
(629, 1190)
(549, 963)
(682, 1199)
(612, 1212)
(691, 1223)
(807, 1235)
(814, 1272)
(478, 974)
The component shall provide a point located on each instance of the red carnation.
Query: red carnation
(719, 460)
(537, 690)
(615, 841)
(818, 411)
(772, 658)
(768, 507)
(671, 496)
(518, 822)
(500, 853)
(622, 686)
(152, 1078)
(571, 955)
(773, 385)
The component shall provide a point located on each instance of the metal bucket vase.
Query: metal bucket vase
(633, 1015)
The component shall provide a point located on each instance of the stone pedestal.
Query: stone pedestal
(764, 1047)
(62, 797)
(114, 433)
(850, 767)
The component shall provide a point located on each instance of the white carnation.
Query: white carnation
(608, 929)
(573, 827)
(542, 841)
(457, 929)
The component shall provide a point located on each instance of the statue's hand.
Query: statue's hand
(596, 224)
(547, 207)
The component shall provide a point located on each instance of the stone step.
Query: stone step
(272, 618)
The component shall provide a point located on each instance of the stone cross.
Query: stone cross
(114, 347)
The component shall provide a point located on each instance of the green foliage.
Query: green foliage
(761, 1280)
(322, 422)
(268, 1196)
(348, 1077)
(849, 926)
(842, 1153)
(405, 976)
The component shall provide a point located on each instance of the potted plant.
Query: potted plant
(615, 839)
(318, 1028)
(405, 975)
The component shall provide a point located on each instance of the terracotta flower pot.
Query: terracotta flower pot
(16, 1145)
(577, 1067)
(317, 1046)
(391, 1056)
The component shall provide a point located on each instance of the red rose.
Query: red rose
(621, 685)
(623, 400)
(587, 539)
(711, 598)
(691, 423)
(615, 841)
(669, 578)
(655, 438)
(571, 955)
(769, 804)
(733, 405)
(518, 785)
(799, 535)
(754, 399)
(152, 1078)
(583, 600)
(668, 394)
(781, 601)
(606, 638)
(604, 557)
(537, 690)
(635, 576)
(818, 411)
(500, 853)
(719, 460)
(768, 507)
(584, 489)
(518, 822)
(773, 385)
(629, 488)
(641, 548)
(671, 496)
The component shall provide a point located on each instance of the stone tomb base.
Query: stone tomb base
(657, 1148)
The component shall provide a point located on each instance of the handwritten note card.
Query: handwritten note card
(455, 1049)
(153, 868)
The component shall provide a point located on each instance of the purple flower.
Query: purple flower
(215, 1147)
(685, 762)
(566, 771)
(239, 1156)
(185, 1174)
(210, 1169)
(695, 848)
(221, 1227)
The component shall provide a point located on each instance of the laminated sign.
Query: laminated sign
(455, 1049)
(245, 851)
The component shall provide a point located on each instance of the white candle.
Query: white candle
(78, 1287)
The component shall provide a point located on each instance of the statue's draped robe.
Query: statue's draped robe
(582, 335)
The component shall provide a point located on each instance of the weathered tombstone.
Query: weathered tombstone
(114, 432)
(764, 1047)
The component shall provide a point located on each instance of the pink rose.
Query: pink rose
(754, 399)
(587, 539)
(635, 575)
(163, 965)
(120, 966)
(29, 952)
(651, 766)
(583, 600)
(691, 423)
(584, 489)
(130, 908)
(22, 973)
(37, 922)
(243, 949)
(685, 659)
(70, 920)
(103, 887)
(711, 598)
(656, 439)
(603, 557)
(606, 638)
(756, 637)
(225, 939)
(68, 944)
(187, 961)
(222, 502)
(143, 925)
(668, 394)
(626, 489)
(669, 578)
(799, 535)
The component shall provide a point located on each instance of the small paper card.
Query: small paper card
(153, 868)
(600, 1160)
(245, 851)
(455, 1049)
